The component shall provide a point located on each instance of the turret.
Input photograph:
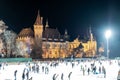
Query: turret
(66, 36)
(46, 25)
(91, 35)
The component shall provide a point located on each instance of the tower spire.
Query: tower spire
(90, 32)
(46, 23)
(66, 36)
(38, 19)
(66, 33)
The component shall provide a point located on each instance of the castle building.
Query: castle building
(49, 43)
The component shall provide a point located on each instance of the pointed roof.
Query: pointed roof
(46, 23)
(38, 19)
(90, 30)
(26, 32)
(66, 32)
(49, 32)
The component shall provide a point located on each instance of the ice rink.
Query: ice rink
(77, 74)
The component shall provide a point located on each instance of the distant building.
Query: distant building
(47, 42)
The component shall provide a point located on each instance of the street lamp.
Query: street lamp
(107, 35)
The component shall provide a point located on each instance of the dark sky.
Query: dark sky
(74, 15)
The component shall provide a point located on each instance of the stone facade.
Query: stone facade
(49, 43)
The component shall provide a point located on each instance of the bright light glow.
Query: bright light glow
(108, 34)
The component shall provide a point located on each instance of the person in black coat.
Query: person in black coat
(15, 73)
(62, 76)
(23, 76)
(27, 75)
(69, 75)
(55, 76)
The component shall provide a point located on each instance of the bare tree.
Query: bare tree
(9, 40)
(3, 28)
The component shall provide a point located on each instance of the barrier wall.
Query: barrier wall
(15, 59)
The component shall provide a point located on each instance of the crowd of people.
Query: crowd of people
(66, 68)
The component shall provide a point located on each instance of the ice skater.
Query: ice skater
(104, 71)
(88, 71)
(55, 76)
(62, 75)
(23, 76)
(27, 75)
(69, 76)
(15, 73)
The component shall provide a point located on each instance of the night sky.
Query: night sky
(74, 15)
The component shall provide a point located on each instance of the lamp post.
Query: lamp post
(107, 35)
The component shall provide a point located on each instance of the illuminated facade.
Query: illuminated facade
(53, 44)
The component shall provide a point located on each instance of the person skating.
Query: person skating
(62, 76)
(55, 77)
(99, 70)
(104, 71)
(27, 75)
(46, 70)
(23, 76)
(15, 73)
(88, 71)
(83, 71)
(69, 76)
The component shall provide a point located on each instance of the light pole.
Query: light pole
(107, 35)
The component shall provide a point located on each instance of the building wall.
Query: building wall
(63, 49)
(54, 50)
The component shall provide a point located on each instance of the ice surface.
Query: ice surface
(77, 74)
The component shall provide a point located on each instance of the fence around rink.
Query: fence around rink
(15, 59)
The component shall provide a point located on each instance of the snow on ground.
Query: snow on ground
(77, 74)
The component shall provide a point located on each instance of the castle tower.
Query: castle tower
(38, 27)
(38, 31)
